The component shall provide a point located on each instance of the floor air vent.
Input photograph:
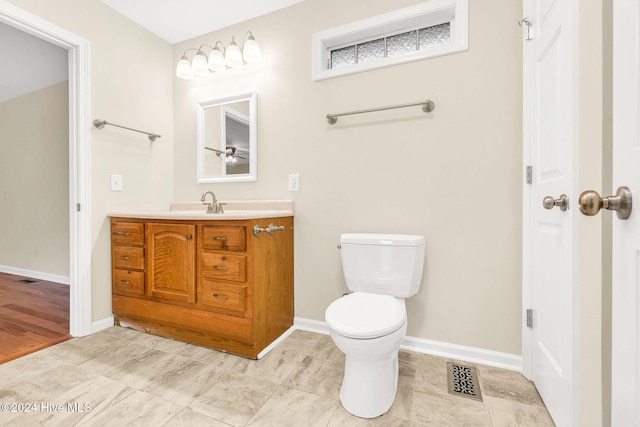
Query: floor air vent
(26, 281)
(463, 381)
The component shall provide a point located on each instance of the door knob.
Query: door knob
(563, 202)
(590, 202)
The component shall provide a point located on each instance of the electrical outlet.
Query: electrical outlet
(294, 182)
(116, 183)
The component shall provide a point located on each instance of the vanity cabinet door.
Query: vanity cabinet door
(171, 253)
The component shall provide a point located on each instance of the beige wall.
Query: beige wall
(453, 176)
(34, 181)
(131, 84)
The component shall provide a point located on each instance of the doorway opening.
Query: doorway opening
(79, 157)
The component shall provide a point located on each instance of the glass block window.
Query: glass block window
(370, 51)
(394, 45)
(343, 57)
(425, 30)
(402, 43)
(434, 36)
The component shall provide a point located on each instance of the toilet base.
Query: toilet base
(369, 386)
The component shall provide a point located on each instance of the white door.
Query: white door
(626, 234)
(550, 115)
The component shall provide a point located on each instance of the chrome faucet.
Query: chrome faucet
(213, 206)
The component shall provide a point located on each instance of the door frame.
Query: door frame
(79, 157)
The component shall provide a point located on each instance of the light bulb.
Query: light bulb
(199, 64)
(216, 60)
(251, 51)
(233, 56)
(184, 70)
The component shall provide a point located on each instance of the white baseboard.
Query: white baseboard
(63, 280)
(437, 348)
(461, 352)
(311, 325)
(420, 345)
(277, 341)
(102, 324)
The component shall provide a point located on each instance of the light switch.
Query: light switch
(294, 182)
(116, 183)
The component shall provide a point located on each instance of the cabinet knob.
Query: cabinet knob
(125, 257)
(188, 236)
(221, 238)
(125, 282)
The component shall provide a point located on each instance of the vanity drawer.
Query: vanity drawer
(128, 282)
(223, 238)
(127, 233)
(224, 296)
(224, 266)
(128, 257)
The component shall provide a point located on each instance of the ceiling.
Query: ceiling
(34, 63)
(178, 20)
(172, 20)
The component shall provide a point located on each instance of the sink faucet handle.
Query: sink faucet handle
(219, 207)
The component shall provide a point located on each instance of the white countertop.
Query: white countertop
(241, 209)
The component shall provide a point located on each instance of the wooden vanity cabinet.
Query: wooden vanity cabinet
(211, 283)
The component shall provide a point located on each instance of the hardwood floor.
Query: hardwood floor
(34, 314)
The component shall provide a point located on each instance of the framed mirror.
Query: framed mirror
(227, 139)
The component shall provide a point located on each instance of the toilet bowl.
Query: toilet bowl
(369, 324)
(368, 329)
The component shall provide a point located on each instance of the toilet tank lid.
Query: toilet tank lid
(382, 239)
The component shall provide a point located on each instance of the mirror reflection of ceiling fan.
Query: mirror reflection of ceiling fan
(230, 153)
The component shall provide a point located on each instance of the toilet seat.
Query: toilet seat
(363, 315)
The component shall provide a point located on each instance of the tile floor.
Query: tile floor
(127, 378)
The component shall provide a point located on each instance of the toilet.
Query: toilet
(369, 324)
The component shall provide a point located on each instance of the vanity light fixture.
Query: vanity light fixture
(220, 58)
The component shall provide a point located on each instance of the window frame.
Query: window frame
(426, 14)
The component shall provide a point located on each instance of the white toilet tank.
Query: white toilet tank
(389, 264)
